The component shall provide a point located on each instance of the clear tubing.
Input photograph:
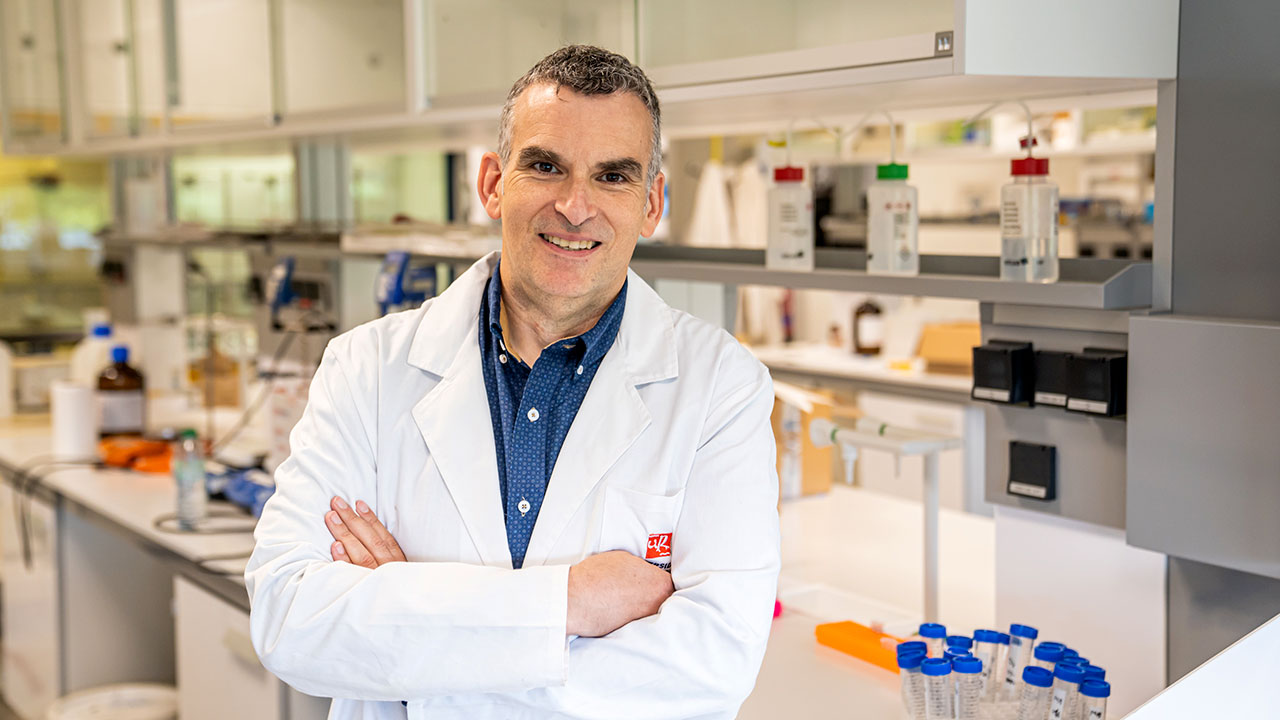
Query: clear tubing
(1034, 703)
(913, 692)
(1064, 702)
(1093, 708)
(968, 695)
(938, 692)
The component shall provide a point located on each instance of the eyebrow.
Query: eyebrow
(625, 166)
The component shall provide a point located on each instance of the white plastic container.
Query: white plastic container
(790, 244)
(1029, 224)
(1034, 702)
(967, 672)
(91, 355)
(1021, 640)
(1063, 705)
(1093, 699)
(912, 678)
(938, 690)
(893, 223)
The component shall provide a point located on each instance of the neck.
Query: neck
(533, 323)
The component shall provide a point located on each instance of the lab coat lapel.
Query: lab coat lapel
(453, 417)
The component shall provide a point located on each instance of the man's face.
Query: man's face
(572, 197)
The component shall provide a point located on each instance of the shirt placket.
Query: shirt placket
(526, 466)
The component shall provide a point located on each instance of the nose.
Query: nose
(576, 203)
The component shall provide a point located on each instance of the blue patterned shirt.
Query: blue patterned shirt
(533, 408)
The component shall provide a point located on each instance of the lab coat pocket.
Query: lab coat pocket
(640, 523)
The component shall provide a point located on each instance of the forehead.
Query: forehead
(560, 119)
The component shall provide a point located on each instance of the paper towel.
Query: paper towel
(75, 420)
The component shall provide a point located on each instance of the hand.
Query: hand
(359, 537)
(609, 590)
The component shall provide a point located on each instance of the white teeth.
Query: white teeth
(569, 244)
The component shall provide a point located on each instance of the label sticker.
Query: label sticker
(659, 546)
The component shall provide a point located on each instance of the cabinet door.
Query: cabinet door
(222, 60)
(684, 43)
(476, 49)
(105, 43)
(342, 55)
(32, 79)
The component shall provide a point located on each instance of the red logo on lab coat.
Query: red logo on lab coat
(659, 546)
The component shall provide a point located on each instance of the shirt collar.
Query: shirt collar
(597, 340)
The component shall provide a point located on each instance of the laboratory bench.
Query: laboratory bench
(112, 573)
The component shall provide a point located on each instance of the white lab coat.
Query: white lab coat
(672, 437)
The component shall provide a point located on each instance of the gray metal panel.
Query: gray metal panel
(1210, 608)
(1091, 450)
(1204, 455)
(1225, 252)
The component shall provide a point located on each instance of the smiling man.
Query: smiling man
(544, 493)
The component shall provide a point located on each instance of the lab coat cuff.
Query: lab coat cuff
(552, 584)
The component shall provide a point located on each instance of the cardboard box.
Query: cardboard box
(803, 469)
(948, 347)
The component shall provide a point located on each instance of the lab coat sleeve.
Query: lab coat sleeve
(404, 630)
(700, 655)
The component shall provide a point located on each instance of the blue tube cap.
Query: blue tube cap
(1077, 661)
(933, 630)
(952, 653)
(1095, 689)
(1093, 672)
(1048, 653)
(986, 636)
(1070, 653)
(967, 665)
(1025, 631)
(101, 330)
(1002, 638)
(910, 660)
(1037, 676)
(1050, 643)
(959, 641)
(1070, 673)
(913, 646)
(120, 354)
(936, 667)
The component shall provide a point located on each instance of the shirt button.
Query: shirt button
(533, 415)
(502, 359)
(579, 369)
(523, 507)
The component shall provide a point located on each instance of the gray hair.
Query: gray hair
(588, 70)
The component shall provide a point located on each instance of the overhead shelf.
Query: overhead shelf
(1084, 283)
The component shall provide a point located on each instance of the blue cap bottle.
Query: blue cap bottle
(1077, 661)
(1093, 672)
(1095, 689)
(1002, 638)
(912, 646)
(1024, 631)
(933, 631)
(1069, 673)
(935, 667)
(120, 354)
(959, 641)
(952, 653)
(1048, 653)
(910, 660)
(986, 636)
(101, 330)
(967, 665)
(1037, 676)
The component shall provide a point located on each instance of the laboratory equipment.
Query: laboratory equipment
(1033, 471)
(122, 396)
(91, 355)
(1021, 639)
(1051, 378)
(1029, 221)
(402, 285)
(913, 692)
(1004, 372)
(938, 700)
(893, 222)
(1069, 653)
(188, 472)
(790, 245)
(968, 685)
(952, 653)
(1047, 654)
(913, 646)
(1097, 382)
(934, 636)
(986, 647)
(1093, 699)
(1093, 672)
(1066, 692)
(1077, 660)
(1034, 701)
(868, 328)
(960, 641)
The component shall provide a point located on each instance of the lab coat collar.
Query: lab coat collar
(454, 418)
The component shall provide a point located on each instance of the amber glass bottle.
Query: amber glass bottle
(868, 328)
(122, 396)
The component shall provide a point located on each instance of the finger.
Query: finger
(384, 535)
(356, 552)
(338, 553)
(361, 529)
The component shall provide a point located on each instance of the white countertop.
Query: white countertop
(812, 358)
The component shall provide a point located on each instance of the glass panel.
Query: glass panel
(148, 44)
(478, 48)
(49, 254)
(106, 65)
(676, 32)
(224, 62)
(342, 54)
(32, 69)
(412, 185)
(234, 192)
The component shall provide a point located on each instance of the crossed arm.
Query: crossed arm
(606, 591)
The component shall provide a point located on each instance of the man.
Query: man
(544, 493)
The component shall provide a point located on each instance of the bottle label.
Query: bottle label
(1011, 219)
(1011, 667)
(1095, 713)
(1058, 705)
(871, 332)
(122, 412)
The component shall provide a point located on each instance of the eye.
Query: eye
(543, 166)
(613, 177)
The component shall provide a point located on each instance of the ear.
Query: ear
(489, 184)
(653, 205)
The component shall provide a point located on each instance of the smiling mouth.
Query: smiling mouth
(570, 245)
